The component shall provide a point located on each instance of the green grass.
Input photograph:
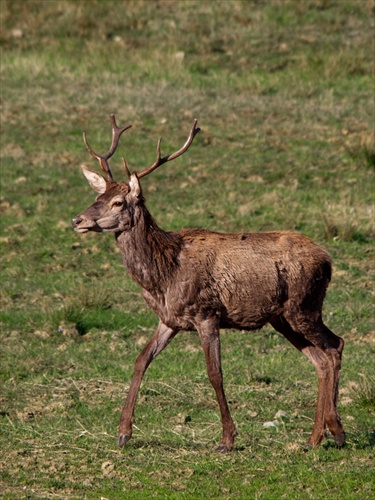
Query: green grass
(283, 91)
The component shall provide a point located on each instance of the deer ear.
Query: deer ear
(135, 187)
(96, 181)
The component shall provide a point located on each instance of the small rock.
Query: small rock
(281, 415)
(271, 424)
(17, 33)
(179, 56)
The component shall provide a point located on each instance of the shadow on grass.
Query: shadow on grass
(168, 446)
(358, 441)
(362, 440)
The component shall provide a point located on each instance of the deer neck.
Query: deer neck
(149, 254)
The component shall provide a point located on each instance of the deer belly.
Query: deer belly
(239, 304)
(244, 319)
(250, 306)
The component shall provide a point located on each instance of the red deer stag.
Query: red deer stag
(203, 280)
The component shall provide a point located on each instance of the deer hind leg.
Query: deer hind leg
(161, 338)
(210, 339)
(327, 361)
(324, 350)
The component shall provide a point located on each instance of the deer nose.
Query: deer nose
(77, 221)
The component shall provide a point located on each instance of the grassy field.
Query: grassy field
(284, 94)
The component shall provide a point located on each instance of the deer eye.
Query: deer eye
(117, 203)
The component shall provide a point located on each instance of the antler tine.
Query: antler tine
(159, 161)
(103, 160)
(127, 171)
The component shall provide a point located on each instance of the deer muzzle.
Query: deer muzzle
(81, 225)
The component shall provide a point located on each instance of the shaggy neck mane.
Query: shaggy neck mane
(149, 253)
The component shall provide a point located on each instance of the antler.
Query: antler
(159, 160)
(103, 160)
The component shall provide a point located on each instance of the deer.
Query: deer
(204, 281)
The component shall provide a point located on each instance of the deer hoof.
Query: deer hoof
(340, 440)
(308, 446)
(123, 439)
(223, 449)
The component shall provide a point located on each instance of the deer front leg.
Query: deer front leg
(161, 338)
(210, 338)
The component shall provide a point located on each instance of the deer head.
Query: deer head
(113, 210)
